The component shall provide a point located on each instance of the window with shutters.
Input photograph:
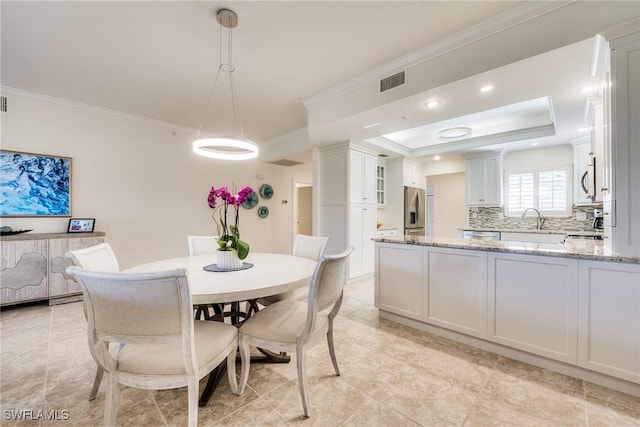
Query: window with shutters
(546, 189)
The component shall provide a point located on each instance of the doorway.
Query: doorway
(302, 208)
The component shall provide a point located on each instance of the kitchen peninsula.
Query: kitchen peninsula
(572, 307)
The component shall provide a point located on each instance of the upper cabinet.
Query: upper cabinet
(484, 180)
(380, 185)
(581, 151)
(362, 174)
(413, 176)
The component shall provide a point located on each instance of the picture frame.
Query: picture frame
(34, 185)
(81, 225)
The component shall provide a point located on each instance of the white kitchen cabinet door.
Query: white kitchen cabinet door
(362, 228)
(609, 319)
(413, 176)
(362, 177)
(533, 304)
(456, 290)
(484, 181)
(399, 284)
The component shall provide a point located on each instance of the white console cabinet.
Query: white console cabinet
(609, 319)
(33, 266)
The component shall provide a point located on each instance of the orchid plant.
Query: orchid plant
(220, 200)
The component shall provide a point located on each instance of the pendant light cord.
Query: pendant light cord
(227, 68)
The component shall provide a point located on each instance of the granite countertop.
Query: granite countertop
(572, 248)
(594, 232)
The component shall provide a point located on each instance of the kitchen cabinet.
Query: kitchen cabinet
(455, 291)
(362, 228)
(484, 181)
(348, 206)
(533, 304)
(380, 185)
(33, 265)
(399, 283)
(609, 319)
(413, 176)
(362, 177)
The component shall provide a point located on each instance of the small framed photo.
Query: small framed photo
(81, 225)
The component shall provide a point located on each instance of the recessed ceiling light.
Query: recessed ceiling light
(457, 132)
(372, 125)
(588, 89)
(436, 157)
(535, 144)
(433, 104)
(486, 88)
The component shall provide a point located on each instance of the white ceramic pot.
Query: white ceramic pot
(228, 260)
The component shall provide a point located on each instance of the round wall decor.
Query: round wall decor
(266, 191)
(251, 202)
(263, 211)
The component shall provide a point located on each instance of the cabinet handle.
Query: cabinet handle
(604, 189)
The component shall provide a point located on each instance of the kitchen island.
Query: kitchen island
(571, 307)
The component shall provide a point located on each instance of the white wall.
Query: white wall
(449, 204)
(538, 157)
(140, 179)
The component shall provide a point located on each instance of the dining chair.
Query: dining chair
(160, 345)
(205, 245)
(291, 325)
(202, 245)
(96, 258)
(311, 247)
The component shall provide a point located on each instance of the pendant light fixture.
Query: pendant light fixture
(225, 147)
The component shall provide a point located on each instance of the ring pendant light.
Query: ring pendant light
(225, 147)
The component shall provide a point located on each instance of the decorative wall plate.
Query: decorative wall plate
(266, 191)
(263, 211)
(251, 202)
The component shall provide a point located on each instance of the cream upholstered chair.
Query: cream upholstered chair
(311, 247)
(202, 245)
(160, 345)
(96, 258)
(292, 325)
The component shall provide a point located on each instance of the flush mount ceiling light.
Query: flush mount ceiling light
(433, 104)
(486, 88)
(456, 132)
(225, 147)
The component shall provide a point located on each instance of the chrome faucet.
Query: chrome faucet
(541, 219)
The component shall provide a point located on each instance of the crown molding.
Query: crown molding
(484, 29)
(92, 108)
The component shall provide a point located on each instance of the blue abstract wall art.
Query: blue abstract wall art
(34, 184)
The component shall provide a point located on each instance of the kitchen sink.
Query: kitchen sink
(533, 237)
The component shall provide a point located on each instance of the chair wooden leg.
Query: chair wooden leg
(192, 391)
(112, 399)
(96, 383)
(332, 349)
(231, 371)
(245, 356)
(301, 356)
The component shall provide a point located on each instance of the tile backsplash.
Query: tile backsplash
(489, 218)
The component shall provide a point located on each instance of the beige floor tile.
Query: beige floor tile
(613, 396)
(256, 413)
(332, 401)
(603, 413)
(543, 403)
(373, 413)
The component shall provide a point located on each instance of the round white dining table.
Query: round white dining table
(271, 274)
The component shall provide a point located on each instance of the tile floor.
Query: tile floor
(392, 375)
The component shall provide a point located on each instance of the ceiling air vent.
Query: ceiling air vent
(398, 79)
(285, 162)
(3, 104)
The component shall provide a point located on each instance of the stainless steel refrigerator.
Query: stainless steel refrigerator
(414, 211)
